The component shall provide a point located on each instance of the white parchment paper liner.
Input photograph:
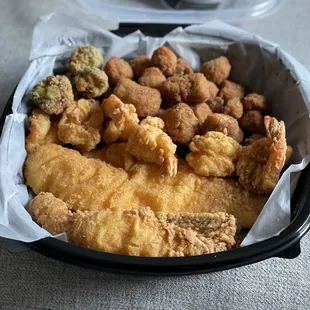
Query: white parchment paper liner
(260, 65)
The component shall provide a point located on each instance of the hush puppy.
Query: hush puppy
(232, 107)
(165, 60)
(183, 67)
(256, 102)
(181, 124)
(152, 77)
(117, 69)
(85, 56)
(253, 121)
(216, 70)
(201, 111)
(92, 82)
(139, 64)
(225, 124)
(53, 94)
(230, 90)
(190, 88)
(146, 100)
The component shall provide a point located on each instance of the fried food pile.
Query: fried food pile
(147, 157)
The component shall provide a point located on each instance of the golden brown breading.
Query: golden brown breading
(81, 124)
(165, 60)
(139, 64)
(85, 56)
(260, 164)
(42, 130)
(216, 70)
(213, 154)
(49, 212)
(225, 124)
(230, 90)
(117, 69)
(114, 154)
(189, 88)
(183, 67)
(151, 144)
(213, 89)
(141, 233)
(151, 77)
(146, 100)
(92, 82)
(181, 124)
(89, 184)
(253, 121)
(124, 120)
(53, 94)
(216, 104)
(234, 108)
(256, 102)
(201, 111)
(253, 138)
(288, 154)
(153, 121)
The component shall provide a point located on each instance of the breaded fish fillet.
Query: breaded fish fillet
(88, 184)
(138, 232)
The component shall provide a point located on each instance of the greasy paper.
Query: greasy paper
(259, 65)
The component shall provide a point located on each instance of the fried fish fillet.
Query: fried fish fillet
(88, 184)
(138, 232)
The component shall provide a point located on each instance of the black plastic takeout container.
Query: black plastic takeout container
(285, 245)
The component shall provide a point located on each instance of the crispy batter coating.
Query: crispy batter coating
(92, 82)
(81, 124)
(153, 121)
(85, 56)
(114, 154)
(183, 67)
(216, 104)
(232, 107)
(230, 90)
(138, 232)
(181, 124)
(216, 70)
(151, 77)
(165, 60)
(53, 94)
(213, 154)
(146, 100)
(253, 121)
(253, 138)
(151, 144)
(260, 164)
(225, 124)
(213, 89)
(139, 64)
(256, 102)
(189, 88)
(42, 130)
(117, 69)
(201, 111)
(141, 232)
(89, 184)
(49, 212)
(124, 120)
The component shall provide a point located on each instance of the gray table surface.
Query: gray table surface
(31, 281)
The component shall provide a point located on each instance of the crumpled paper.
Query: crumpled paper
(260, 65)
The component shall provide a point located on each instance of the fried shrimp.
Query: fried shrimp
(81, 124)
(260, 164)
(124, 120)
